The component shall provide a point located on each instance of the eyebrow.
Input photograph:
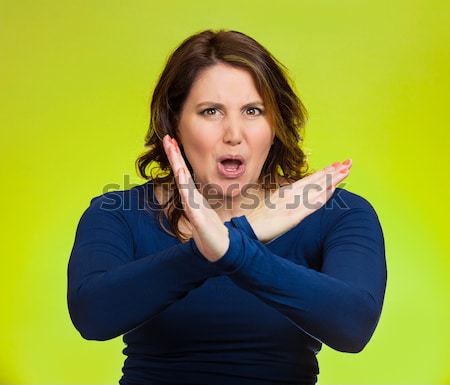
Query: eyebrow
(220, 105)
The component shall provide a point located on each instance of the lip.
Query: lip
(230, 174)
(231, 156)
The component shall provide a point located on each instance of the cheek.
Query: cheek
(261, 149)
(262, 143)
(200, 135)
(261, 132)
(202, 146)
(198, 149)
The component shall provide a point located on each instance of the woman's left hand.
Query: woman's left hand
(209, 233)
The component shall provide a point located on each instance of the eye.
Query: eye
(254, 109)
(213, 111)
(208, 109)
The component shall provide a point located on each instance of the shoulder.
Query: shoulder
(346, 207)
(343, 199)
(122, 200)
(119, 205)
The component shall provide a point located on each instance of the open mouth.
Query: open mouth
(231, 166)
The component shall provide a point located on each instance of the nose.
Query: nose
(232, 132)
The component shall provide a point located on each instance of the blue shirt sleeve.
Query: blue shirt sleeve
(109, 291)
(339, 305)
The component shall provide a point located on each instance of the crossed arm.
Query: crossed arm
(110, 293)
(339, 305)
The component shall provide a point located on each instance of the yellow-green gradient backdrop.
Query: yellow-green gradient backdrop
(76, 81)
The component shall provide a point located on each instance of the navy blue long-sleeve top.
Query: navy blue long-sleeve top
(258, 315)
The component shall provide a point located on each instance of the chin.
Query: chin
(225, 187)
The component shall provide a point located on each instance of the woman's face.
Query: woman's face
(224, 114)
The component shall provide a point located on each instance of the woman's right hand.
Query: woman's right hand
(290, 204)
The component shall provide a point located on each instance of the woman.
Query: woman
(264, 263)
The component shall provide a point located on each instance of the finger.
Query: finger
(185, 182)
(321, 178)
(175, 157)
(327, 189)
(328, 182)
(180, 178)
(191, 191)
(179, 164)
(186, 186)
(180, 157)
(331, 182)
(171, 154)
(330, 179)
(342, 171)
(194, 202)
(328, 175)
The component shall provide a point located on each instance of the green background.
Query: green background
(76, 80)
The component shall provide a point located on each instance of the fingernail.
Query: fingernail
(347, 161)
(344, 171)
(336, 164)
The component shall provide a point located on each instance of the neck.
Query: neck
(228, 207)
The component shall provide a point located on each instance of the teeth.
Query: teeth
(231, 165)
(232, 168)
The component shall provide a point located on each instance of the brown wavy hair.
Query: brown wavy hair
(285, 111)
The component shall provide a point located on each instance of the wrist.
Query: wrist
(234, 257)
(254, 227)
(224, 244)
(243, 223)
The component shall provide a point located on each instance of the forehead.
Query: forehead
(223, 83)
